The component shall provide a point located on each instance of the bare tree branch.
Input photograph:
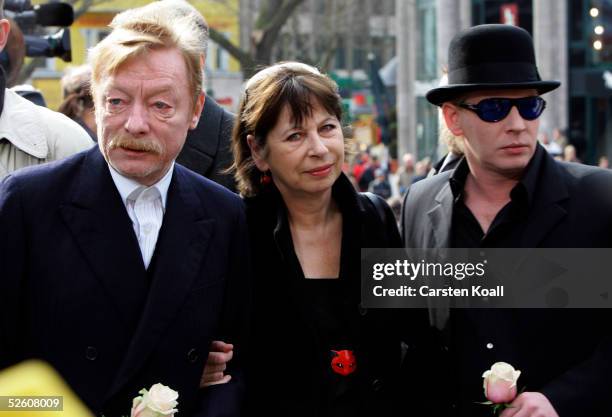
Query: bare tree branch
(81, 10)
(263, 51)
(266, 12)
(245, 59)
(227, 5)
(84, 6)
(326, 56)
(272, 17)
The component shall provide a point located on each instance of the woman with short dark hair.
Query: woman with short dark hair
(314, 350)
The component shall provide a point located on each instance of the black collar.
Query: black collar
(523, 192)
(270, 211)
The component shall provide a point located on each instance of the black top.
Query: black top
(328, 312)
(509, 223)
(298, 322)
(466, 232)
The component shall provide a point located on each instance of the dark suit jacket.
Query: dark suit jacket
(565, 354)
(74, 291)
(207, 149)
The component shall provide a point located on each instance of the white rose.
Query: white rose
(500, 382)
(159, 401)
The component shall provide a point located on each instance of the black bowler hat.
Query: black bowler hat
(488, 57)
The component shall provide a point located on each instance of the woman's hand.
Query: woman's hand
(220, 354)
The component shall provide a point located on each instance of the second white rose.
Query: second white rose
(500, 383)
(159, 401)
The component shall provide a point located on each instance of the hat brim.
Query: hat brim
(442, 94)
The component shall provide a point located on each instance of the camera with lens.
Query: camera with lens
(26, 39)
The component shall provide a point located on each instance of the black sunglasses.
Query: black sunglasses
(496, 109)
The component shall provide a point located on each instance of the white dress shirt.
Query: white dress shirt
(146, 207)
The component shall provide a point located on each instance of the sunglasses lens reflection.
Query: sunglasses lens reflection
(496, 109)
(530, 108)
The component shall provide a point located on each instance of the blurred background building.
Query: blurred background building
(385, 54)
(573, 45)
(223, 80)
(572, 39)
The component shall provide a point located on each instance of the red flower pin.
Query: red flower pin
(343, 362)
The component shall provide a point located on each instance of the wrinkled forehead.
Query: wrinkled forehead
(143, 87)
(160, 70)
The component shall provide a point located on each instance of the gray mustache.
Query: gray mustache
(128, 142)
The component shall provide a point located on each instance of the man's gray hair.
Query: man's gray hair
(137, 35)
(171, 11)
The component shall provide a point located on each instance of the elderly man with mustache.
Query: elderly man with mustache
(117, 264)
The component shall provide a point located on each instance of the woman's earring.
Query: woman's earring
(265, 178)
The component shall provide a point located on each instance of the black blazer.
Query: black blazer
(74, 291)
(207, 149)
(565, 354)
(284, 377)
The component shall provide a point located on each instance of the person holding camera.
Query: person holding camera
(31, 134)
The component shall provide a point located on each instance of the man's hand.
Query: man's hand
(530, 404)
(220, 354)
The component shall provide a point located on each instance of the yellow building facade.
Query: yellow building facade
(92, 27)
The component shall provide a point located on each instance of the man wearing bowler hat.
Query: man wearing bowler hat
(507, 192)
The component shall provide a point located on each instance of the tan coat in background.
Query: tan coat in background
(32, 135)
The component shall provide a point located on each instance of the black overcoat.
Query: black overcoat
(565, 354)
